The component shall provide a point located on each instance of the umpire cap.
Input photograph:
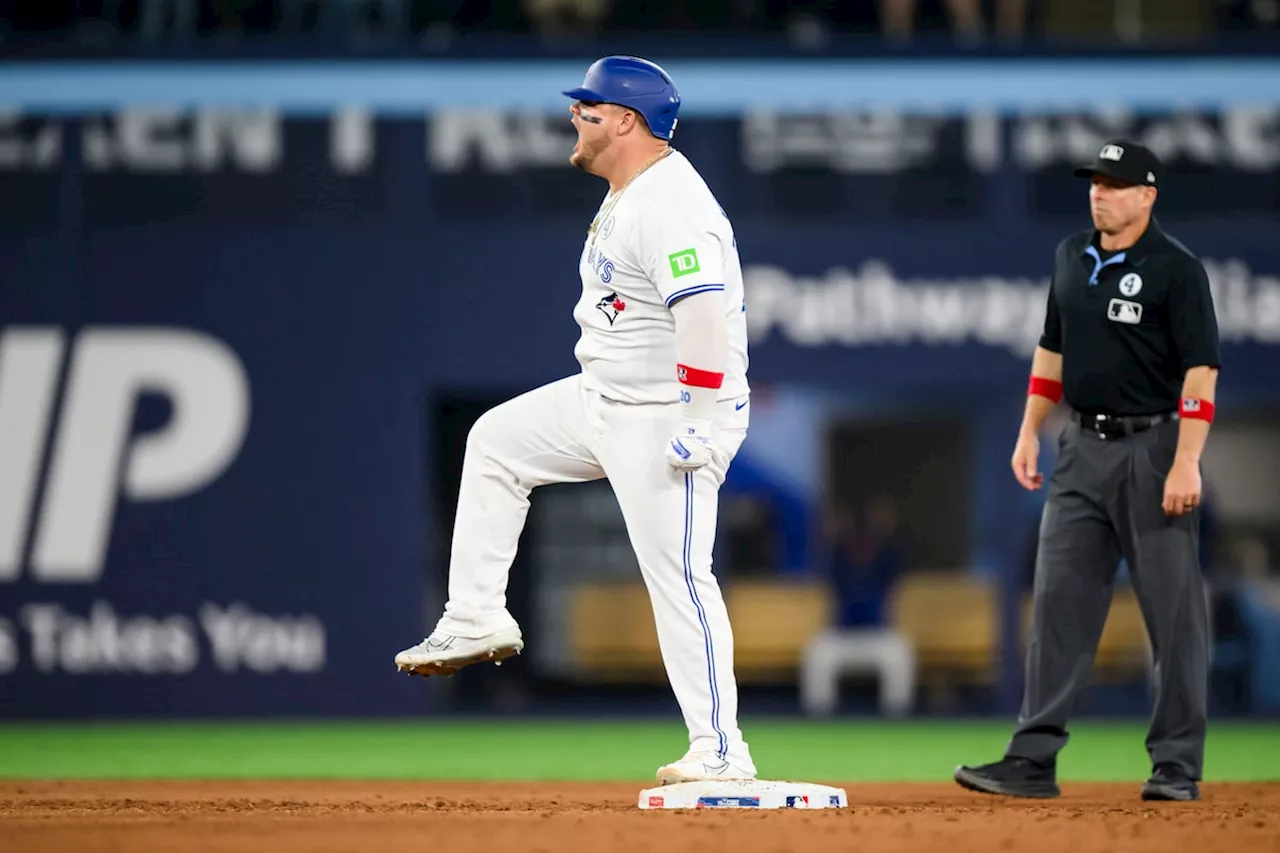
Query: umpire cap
(637, 84)
(1126, 161)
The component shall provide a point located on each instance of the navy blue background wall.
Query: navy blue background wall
(353, 288)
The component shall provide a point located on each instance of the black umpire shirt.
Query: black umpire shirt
(1128, 324)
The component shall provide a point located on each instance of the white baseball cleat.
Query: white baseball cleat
(705, 767)
(445, 654)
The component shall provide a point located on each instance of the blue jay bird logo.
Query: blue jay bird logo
(611, 306)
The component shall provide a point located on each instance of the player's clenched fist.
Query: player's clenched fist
(691, 448)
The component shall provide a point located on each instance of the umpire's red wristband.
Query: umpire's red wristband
(698, 378)
(1194, 407)
(1050, 388)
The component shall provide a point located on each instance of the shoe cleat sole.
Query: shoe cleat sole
(449, 667)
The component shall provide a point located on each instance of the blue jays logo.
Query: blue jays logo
(611, 306)
(607, 228)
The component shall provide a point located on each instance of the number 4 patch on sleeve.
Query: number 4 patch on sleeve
(684, 262)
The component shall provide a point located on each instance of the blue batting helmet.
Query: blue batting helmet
(636, 83)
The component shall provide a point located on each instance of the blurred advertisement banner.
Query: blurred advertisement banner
(346, 152)
(96, 462)
(160, 165)
(228, 330)
(873, 305)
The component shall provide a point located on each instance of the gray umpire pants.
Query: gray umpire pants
(1104, 502)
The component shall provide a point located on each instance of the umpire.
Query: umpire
(1131, 342)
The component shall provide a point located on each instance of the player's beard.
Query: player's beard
(588, 151)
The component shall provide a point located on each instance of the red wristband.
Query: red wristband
(698, 378)
(1050, 388)
(1194, 407)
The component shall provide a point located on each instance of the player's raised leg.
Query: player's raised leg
(538, 438)
(671, 520)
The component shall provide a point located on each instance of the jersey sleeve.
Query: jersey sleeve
(1051, 337)
(1192, 319)
(681, 255)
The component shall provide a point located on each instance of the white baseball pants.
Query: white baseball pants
(566, 433)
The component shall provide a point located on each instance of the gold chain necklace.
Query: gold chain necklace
(603, 215)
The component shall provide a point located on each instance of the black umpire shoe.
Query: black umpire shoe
(1170, 782)
(1012, 777)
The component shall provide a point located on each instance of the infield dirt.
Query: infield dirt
(485, 817)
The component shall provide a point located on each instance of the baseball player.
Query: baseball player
(659, 409)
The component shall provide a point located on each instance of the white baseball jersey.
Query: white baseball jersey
(664, 238)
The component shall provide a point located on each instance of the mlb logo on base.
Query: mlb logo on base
(743, 794)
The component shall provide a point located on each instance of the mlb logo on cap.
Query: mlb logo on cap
(1124, 160)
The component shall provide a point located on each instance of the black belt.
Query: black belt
(1119, 426)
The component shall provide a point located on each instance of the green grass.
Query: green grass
(845, 751)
